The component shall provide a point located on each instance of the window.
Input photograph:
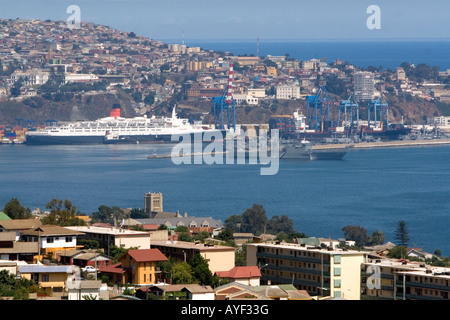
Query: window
(50, 239)
(337, 283)
(68, 239)
(337, 258)
(337, 271)
(44, 278)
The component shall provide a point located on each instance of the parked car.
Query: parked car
(89, 269)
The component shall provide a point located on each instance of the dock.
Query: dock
(387, 144)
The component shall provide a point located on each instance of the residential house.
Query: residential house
(137, 266)
(83, 258)
(248, 275)
(107, 237)
(52, 278)
(239, 291)
(19, 225)
(418, 253)
(177, 292)
(52, 238)
(185, 221)
(86, 290)
(11, 249)
(219, 258)
(198, 292)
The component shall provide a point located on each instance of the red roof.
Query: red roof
(240, 273)
(150, 227)
(114, 268)
(141, 255)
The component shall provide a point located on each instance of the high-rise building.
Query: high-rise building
(153, 202)
(323, 272)
(363, 85)
(394, 279)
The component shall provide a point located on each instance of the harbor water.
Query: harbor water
(373, 188)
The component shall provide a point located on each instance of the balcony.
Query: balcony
(288, 257)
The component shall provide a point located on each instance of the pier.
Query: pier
(387, 144)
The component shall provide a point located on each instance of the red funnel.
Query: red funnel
(115, 112)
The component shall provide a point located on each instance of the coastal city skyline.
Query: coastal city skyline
(234, 20)
(135, 167)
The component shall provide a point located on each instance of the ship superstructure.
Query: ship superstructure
(117, 129)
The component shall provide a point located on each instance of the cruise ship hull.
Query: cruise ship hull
(62, 140)
(126, 139)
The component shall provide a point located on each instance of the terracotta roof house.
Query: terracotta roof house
(137, 266)
(85, 257)
(248, 275)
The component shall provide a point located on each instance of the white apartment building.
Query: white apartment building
(287, 92)
(442, 121)
(322, 271)
(364, 85)
(241, 98)
(79, 77)
(257, 92)
(30, 78)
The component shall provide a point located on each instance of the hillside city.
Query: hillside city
(51, 73)
(48, 68)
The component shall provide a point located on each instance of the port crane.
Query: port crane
(349, 107)
(321, 99)
(380, 108)
(225, 103)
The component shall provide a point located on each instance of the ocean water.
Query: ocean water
(389, 54)
(371, 188)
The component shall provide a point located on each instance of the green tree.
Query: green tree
(254, 220)
(202, 236)
(233, 223)
(357, 234)
(200, 270)
(401, 234)
(398, 252)
(88, 244)
(62, 213)
(280, 224)
(225, 235)
(184, 236)
(15, 89)
(182, 273)
(376, 238)
(149, 99)
(181, 229)
(116, 252)
(438, 252)
(15, 210)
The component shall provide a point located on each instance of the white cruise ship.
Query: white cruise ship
(116, 129)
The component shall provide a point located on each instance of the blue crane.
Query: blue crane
(318, 101)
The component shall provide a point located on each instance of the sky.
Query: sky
(169, 20)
